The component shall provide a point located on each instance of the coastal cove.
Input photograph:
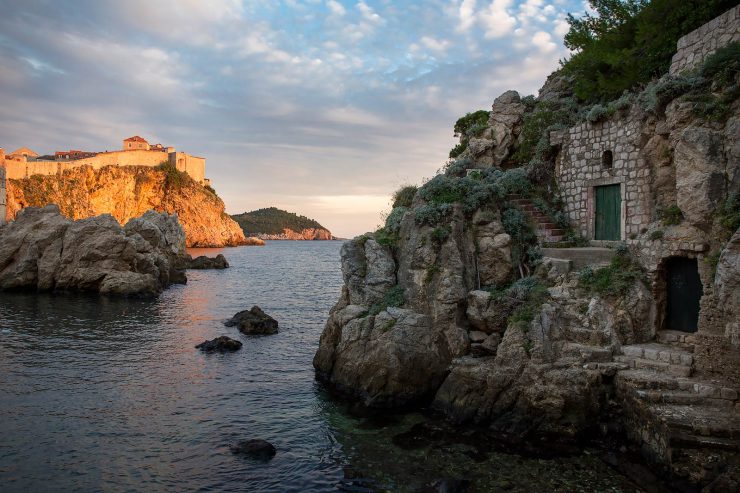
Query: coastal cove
(112, 395)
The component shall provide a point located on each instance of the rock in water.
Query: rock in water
(203, 262)
(254, 321)
(220, 344)
(256, 449)
(42, 249)
(448, 486)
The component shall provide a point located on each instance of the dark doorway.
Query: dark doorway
(608, 213)
(683, 290)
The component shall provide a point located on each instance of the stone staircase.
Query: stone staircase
(679, 419)
(571, 259)
(546, 230)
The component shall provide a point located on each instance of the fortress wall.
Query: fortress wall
(192, 165)
(2, 194)
(694, 47)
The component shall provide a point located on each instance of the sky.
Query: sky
(319, 107)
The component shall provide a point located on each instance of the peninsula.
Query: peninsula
(272, 223)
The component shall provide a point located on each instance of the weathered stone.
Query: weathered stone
(221, 344)
(253, 322)
(204, 262)
(727, 287)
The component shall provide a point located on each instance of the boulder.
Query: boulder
(256, 449)
(204, 262)
(42, 249)
(253, 322)
(220, 344)
(505, 121)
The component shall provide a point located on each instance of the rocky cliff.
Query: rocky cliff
(454, 302)
(127, 192)
(41, 249)
(272, 223)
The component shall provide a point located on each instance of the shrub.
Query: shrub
(210, 189)
(728, 214)
(458, 149)
(173, 177)
(614, 280)
(404, 196)
(432, 214)
(723, 66)
(656, 235)
(515, 181)
(671, 216)
(476, 119)
(534, 138)
(659, 93)
(597, 113)
(394, 297)
(393, 221)
(439, 235)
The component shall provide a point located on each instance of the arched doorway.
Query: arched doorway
(683, 292)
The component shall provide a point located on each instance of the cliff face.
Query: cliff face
(128, 192)
(304, 234)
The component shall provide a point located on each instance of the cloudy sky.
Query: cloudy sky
(321, 107)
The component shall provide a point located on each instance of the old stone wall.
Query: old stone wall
(583, 164)
(694, 47)
(2, 194)
(192, 165)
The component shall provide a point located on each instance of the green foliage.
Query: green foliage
(597, 113)
(432, 270)
(432, 214)
(394, 297)
(388, 234)
(713, 261)
(526, 295)
(671, 216)
(210, 189)
(534, 138)
(657, 235)
(614, 280)
(723, 66)
(174, 178)
(272, 220)
(515, 181)
(477, 121)
(404, 196)
(626, 43)
(728, 214)
(439, 235)
(458, 149)
(659, 93)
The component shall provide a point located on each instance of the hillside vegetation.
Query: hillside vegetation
(273, 221)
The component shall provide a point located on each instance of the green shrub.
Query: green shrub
(404, 196)
(656, 235)
(394, 297)
(659, 93)
(458, 149)
(597, 113)
(621, 44)
(210, 189)
(534, 138)
(671, 216)
(515, 181)
(614, 280)
(432, 214)
(473, 120)
(728, 214)
(723, 66)
(439, 235)
(173, 177)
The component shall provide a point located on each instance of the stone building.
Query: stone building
(135, 143)
(655, 182)
(22, 155)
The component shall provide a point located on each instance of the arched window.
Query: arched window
(607, 159)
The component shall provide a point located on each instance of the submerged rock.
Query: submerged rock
(256, 449)
(204, 262)
(221, 344)
(42, 249)
(253, 321)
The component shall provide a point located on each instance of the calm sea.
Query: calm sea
(110, 395)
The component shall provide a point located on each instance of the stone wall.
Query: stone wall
(194, 166)
(580, 168)
(693, 48)
(2, 194)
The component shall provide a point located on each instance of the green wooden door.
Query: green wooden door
(684, 290)
(608, 213)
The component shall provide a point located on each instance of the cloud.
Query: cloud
(496, 19)
(324, 107)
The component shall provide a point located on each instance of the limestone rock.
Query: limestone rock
(727, 288)
(256, 449)
(128, 192)
(253, 322)
(700, 174)
(204, 262)
(221, 344)
(42, 249)
(505, 121)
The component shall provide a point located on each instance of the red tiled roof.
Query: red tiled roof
(135, 138)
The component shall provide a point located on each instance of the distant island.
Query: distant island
(272, 223)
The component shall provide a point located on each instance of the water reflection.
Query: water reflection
(104, 394)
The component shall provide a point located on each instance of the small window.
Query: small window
(607, 159)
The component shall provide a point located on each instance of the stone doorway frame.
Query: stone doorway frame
(660, 289)
(591, 209)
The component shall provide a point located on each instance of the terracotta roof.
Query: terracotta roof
(135, 138)
(24, 150)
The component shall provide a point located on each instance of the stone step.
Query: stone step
(654, 381)
(582, 257)
(658, 366)
(659, 352)
(682, 398)
(691, 441)
(704, 421)
(673, 337)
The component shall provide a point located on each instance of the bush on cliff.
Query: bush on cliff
(614, 280)
(404, 196)
(625, 43)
